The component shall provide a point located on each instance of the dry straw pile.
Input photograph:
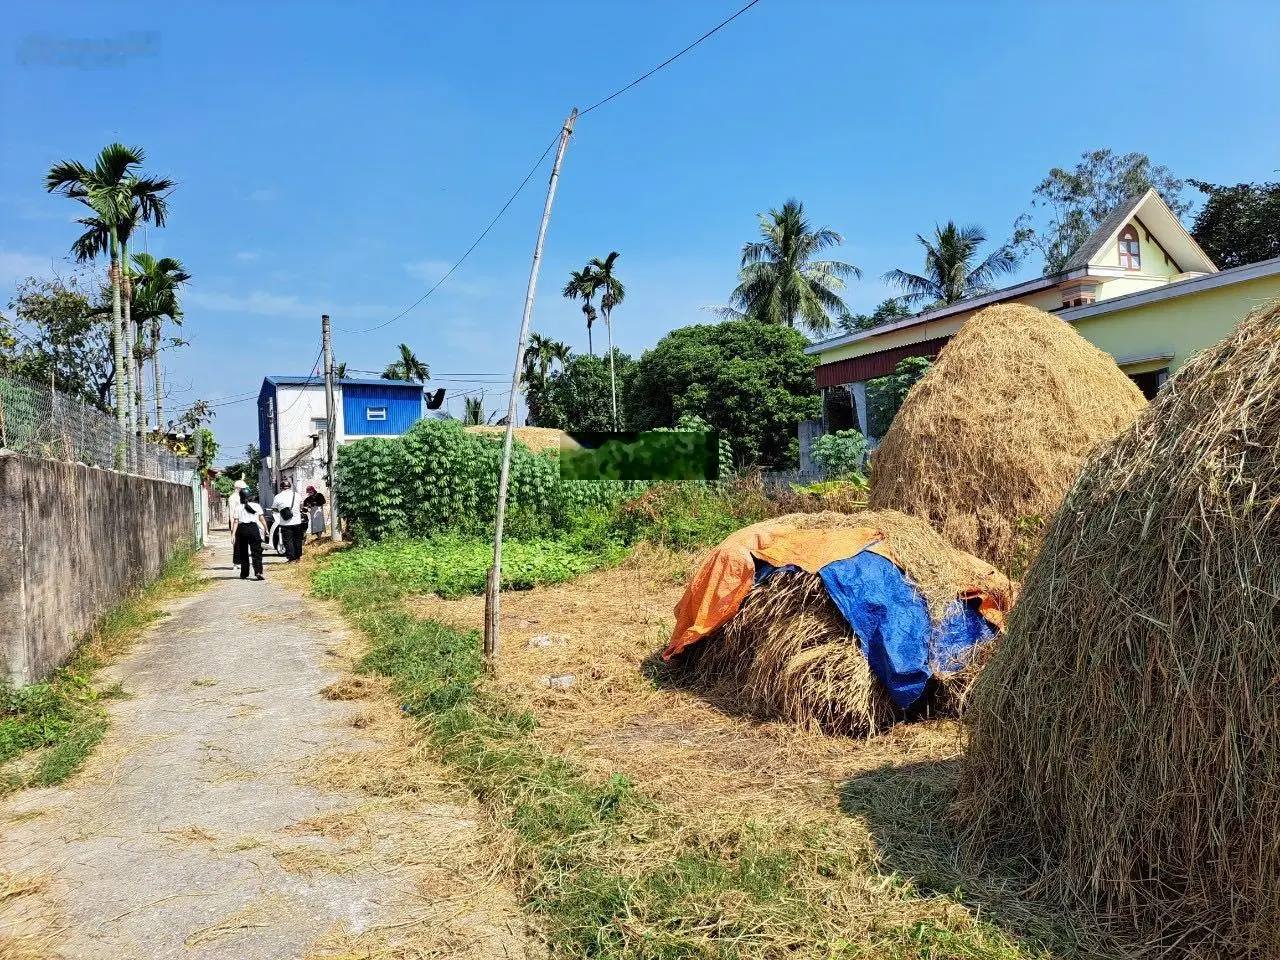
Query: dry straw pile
(996, 432)
(1127, 731)
(789, 654)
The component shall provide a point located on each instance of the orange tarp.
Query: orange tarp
(726, 576)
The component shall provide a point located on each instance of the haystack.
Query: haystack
(1127, 732)
(993, 436)
(790, 654)
(536, 439)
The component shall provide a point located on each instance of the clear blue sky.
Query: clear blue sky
(337, 157)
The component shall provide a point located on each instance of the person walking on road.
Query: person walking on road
(288, 506)
(247, 528)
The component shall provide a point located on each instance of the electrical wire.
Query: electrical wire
(670, 60)
(534, 169)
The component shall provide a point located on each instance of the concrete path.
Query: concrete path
(207, 824)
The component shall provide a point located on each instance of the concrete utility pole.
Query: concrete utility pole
(331, 431)
(275, 446)
(495, 572)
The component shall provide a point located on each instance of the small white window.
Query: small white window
(319, 425)
(375, 413)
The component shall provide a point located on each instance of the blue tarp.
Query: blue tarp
(891, 621)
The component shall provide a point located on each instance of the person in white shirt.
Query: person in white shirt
(248, 528)
(288, 505)
(233, 504)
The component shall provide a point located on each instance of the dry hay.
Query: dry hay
(1126, 734)
(789, 654)
(536, 439)
(995, 433)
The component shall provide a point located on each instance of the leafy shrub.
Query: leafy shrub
(840, 454)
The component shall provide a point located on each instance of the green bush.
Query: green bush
(840, 454)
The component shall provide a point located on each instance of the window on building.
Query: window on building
(319, 425)
(375, 413)
(1150, 383)
(1130, 253)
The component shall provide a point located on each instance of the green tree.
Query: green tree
(577, 397)
(1238, 225)
(1075, 202)
(886, 394)
(56, 334)
(581, 286)
(611, 293)
(781, 282)
(118, 198)
(540, 355)
(950, 274)
(886, 311)
(751, 381)
(407, 367)
(155, 300)
(340, 371)
(473, 411)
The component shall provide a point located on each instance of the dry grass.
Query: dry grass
(1139, 761)
(996, 432)
(536, 439)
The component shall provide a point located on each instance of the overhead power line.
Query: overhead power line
(534, 169)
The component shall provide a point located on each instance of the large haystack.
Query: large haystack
(996, 432)
(789, 654)
(536, 439)
(1127, 731)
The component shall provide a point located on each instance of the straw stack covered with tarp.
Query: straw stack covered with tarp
(992, 437)
(1126, 733)
(844, 623)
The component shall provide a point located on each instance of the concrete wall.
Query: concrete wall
(74, 540)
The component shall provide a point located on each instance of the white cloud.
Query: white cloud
(264, 304)
(16, 267)
(246, 256)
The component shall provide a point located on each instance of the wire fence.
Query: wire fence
(38, 421)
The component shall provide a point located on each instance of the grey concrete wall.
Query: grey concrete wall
(74, 541)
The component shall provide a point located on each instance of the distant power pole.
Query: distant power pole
(494, 587)
(274, 431)
(331, 430)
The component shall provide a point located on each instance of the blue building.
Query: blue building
(292, 423)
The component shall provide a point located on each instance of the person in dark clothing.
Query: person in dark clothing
(313, 506)
(248, 530)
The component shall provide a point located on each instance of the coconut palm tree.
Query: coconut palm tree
(473, 412)
(112, 190)
(949, 274)
(559, 352)
(408, 367)
(611, 293)
(781, 281)
(154, 301)
(340, 371)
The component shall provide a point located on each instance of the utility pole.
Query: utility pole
(331, 437)
(495, 572)
(275, 446)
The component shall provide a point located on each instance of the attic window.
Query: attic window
(1130, 253)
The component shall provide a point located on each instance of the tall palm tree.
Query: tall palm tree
(611, 293)
(581, 286)
(949, 274)
(559, 352)
(155, 300)
(111, 189)
(408, 367)
(340, 370)
(539, 355)
(781, 282)
(473, 413)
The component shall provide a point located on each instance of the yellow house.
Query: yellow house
(1139, 288)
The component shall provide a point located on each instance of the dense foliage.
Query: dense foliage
(840, 454)
(1238, 225)
(438, 476)
(751, 381)
(885, 394)
(577, 396)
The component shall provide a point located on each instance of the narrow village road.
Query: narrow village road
(208, 825)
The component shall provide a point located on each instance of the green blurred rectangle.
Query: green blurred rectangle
(647, 455)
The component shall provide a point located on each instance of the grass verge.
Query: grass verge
(607, 871)
(48, 729)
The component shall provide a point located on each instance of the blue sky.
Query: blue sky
(338, 157)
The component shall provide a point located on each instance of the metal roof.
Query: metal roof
(1098, 239)
(318, 380)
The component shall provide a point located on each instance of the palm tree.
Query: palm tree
(559, 352)
(117, 198)
(581, 286)
(155, 300)
(781, 282)
(611, 294)
(539, 355)
(340, 371)
(473, 414)
(408, 367)
(949, 274)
